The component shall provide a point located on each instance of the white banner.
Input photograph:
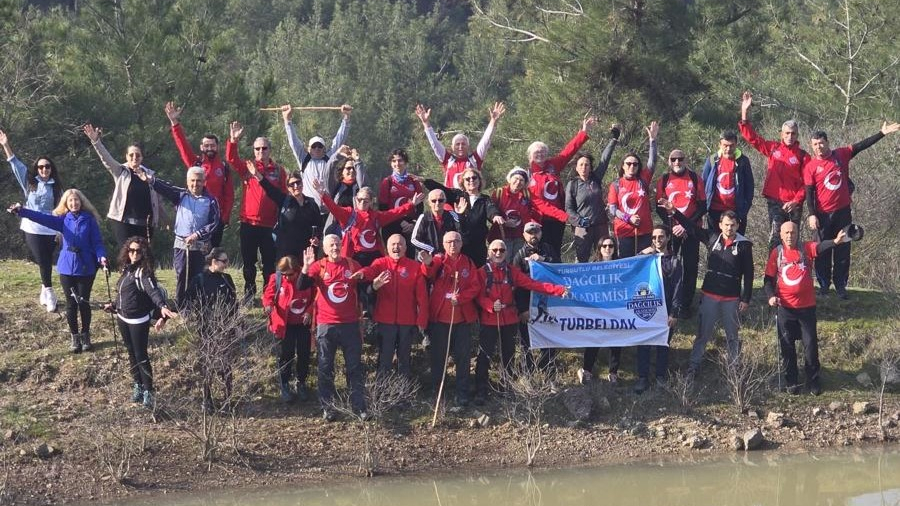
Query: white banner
(616, 303)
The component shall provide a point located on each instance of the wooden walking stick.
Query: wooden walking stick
(305, 108)
(437, 401)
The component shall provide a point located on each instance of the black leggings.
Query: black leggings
(77, 291)
(136, 337)
(42, 247)
(295, 350)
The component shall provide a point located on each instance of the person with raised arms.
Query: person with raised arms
(629, 199)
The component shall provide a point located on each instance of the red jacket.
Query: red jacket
(784, 171)
(404, 299)
(364, 234)
(632, 196)
(504, 278)
(291, 305)
(515, 207)
(392, 194)
(336, 298)
(219, 182)
(441, 272)
(545, 187)
(257, 208)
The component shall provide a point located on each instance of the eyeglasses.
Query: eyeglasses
(295, 184)
(363, 200)
(134, 250)
(471, 178)
(498, 250)
(221, 260)
(607, 245)
(676, 159)
(632, 164)
(260, 148)
(44, 166)
(317, 146)
(438, 201)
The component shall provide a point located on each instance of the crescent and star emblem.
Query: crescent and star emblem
(551, 190)
(722, 189)
(787, 279)
(364, 239)
(338, 292)
(833, 186)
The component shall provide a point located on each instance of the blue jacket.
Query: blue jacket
(192, 214)
(82, 246)
(743, 182)
(41, 199)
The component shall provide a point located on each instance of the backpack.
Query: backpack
(489, 269)
(665, 178)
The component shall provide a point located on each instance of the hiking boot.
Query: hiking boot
(479, 399)
(86, 341)
(149, 400)
(287, 395)
(642, 385)
(584, 376)
(842, 293)
(815, 387)
(137, 393)
(302, 393)
(75, 347)
(328, 415)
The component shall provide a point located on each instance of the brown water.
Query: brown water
(858, 478)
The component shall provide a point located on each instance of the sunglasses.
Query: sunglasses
(295, 184)
(44, 166)
(498, 250)
(470, 178)
(607, 245)
(438, 201)
(632, 164)
(134, 250)
(222, 260)
(260, 148)
(676, 159)
(317, 146)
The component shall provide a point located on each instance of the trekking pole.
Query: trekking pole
(437, 401)
(112, 315)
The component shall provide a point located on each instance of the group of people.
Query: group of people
(438, 257)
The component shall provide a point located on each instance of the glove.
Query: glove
(584, 222)
(614, 132)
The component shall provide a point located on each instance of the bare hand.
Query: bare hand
(425, 257)
(344, 150)
(672, 321)
(354, 154)
(309, 257)
(535, 257)
(423, 114)
(773, 301)
(92, 133)
(497, 111)
(167, 313)
(841, 237)
(498, 306)
(381, 279)
(679, 231)
(172, 112)
(812, 222)
(190, 239)
(346, 110)
(746, 102)
(789, 206)
(653, 130)
(251, 168)
(635, 220)
(454, 298)
(888, 128)
(418, 198)
(743, 306)
(499, 220)
(286, 113)
(104, 263)
(158, 326)
(358, 275)
(4, 141)
(318, 187)
(588, 122)
(14, 209)
(666, 204)
(235, 130)
(141, 174)
(462, 204)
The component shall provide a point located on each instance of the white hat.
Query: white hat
(517, 171)
(316, 140)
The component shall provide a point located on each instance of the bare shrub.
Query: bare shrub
(746, 377)
(383, 393)
(216, 367)
(527, 392)
(684, 389)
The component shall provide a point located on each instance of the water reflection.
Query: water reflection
(860, 478)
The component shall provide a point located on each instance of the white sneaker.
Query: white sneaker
(51, 300)
(42, 300)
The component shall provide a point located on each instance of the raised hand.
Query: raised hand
(141, 174)
(746, 102)
(251, 168)
(888, 128)
(418, 198)
(172, 112)
(4, 141)
(286, 112)
(653, 130)
(666, 204)
(318, 187)
(309, 257)
(346, 110)
(425, 257)
(235, 130)
(344, 150)
(381, 279)
(14, 209)
(92, 133)
(615, 130)
(354, 154)
(423, 114)
(588, 122)
(498, 110)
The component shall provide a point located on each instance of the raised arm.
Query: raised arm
(4, 141)
(606, 156)
(114, 167)
(19, 169)
(340, 136)
(652, 132)
(485, 143)
(173, 113)
(235, 132)
(439, 150)
(47, 220)
(298, 148)
(886, 128)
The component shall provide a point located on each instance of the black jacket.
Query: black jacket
(727, 267)
(520, 260)
(138, 294)
(295, 223)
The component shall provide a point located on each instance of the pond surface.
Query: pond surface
(859, 478)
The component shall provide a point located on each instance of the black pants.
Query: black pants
(689, 249)
(662, 359)
(487, 344)
(77, 290)
(777, 217)
(296, 350)
(713, 217)
(136, 337)
(216, 237)
(590, 357)
(585, 246)
(460, 346)
(255, 238)
(794, 324)
(547, 358)
(397, 338)
(833, 265)
(122, 231)
(366, 296)
(630, 245)
(42, 247)
(553, 232)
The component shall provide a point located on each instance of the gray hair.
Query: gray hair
(536, 146)
(460, 137)
(196, 170)
(790, 125)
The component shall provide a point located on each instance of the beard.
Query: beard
(210, 154)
